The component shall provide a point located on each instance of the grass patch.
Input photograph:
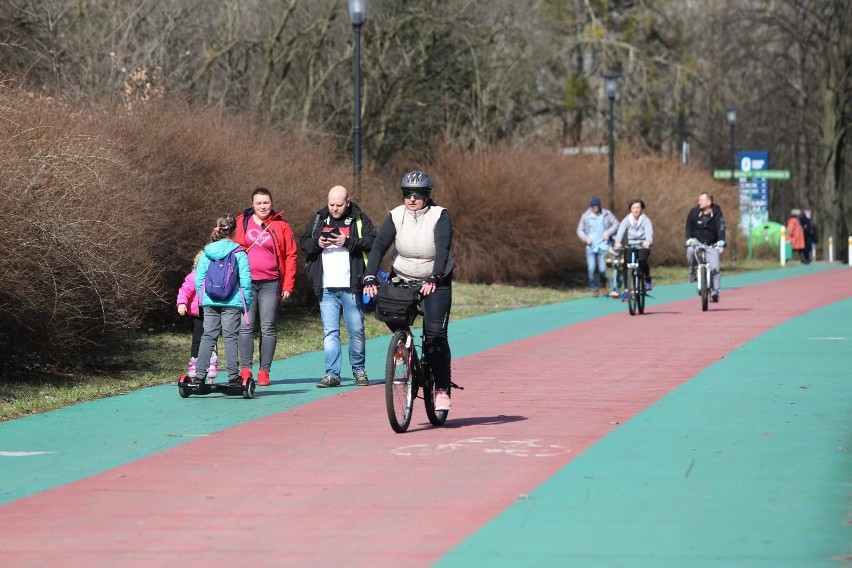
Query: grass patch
(159, 358)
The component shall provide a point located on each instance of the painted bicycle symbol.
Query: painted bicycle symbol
(534, 448)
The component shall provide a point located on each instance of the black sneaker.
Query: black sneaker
(714, 298)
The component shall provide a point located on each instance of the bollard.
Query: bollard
(830, 250)
(849, 252)
(782, 248)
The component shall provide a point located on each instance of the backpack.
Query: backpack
(222, 278)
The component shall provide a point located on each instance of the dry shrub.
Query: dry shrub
(74, 236)
(515, 211)
(200, 162)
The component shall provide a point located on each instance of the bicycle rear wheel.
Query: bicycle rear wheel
(704, 288)
(640, 293)
(632, 290)
(436, 417)
(400, 380)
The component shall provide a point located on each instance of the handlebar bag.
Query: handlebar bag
(396, 305)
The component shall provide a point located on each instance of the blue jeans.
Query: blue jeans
(334, 303)
(596, 264)
(264, 307)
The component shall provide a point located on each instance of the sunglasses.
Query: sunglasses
(414, 194)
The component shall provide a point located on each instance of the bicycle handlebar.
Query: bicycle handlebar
(402, 283)
(698, 244)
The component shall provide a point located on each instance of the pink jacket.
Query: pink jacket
(186, 295)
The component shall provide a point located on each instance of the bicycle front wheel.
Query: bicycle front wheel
(632, 291)
(704, 288)
(640, 292)
(400, 383)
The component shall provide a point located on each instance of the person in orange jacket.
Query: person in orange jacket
(795, 233)
(271, 248)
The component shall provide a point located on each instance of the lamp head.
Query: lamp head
(357, 11)
(611, 83)
(731, 114)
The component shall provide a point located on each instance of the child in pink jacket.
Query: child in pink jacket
(188, 303)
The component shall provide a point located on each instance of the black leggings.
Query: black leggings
(642, 258)
(197, 331)
(436, 316)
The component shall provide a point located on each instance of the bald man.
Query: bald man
(337, 241)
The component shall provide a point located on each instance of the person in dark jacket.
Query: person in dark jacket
(337, 241)
(706, 224)
(809, 229)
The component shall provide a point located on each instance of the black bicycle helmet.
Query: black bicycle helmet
(416, 180)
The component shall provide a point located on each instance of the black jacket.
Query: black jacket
(708, 229)
(309, 242)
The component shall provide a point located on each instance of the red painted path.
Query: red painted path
(329, 484)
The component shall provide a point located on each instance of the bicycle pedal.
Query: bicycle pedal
(455, 386)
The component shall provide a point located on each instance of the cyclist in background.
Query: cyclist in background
(422, 233)
(706, 224)
(639, 231)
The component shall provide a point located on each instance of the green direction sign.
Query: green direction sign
(764, 174)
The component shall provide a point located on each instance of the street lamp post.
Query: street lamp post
(731, 116)
(611, 88)
(357, 13)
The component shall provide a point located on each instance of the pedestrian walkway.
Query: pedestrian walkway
(584, 437)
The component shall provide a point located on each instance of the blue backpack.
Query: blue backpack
(222, 278)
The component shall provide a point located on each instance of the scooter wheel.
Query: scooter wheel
(182, 390)
(248, 388)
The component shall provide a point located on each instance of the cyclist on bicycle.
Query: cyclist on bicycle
(706, 224)
(422, 233)
(639, 231)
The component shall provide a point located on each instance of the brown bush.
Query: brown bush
(199, 163)
(515, 212)
(75, 233)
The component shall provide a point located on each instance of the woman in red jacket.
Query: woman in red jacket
(795, 233)
(271, 248)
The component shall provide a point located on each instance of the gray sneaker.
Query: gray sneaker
(328, 381)
(361, 379)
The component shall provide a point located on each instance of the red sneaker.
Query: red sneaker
(245, 374)
(263, 378)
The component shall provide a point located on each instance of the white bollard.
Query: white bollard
(830, 249)
(783, 247)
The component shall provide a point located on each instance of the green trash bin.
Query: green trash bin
(765, 239)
